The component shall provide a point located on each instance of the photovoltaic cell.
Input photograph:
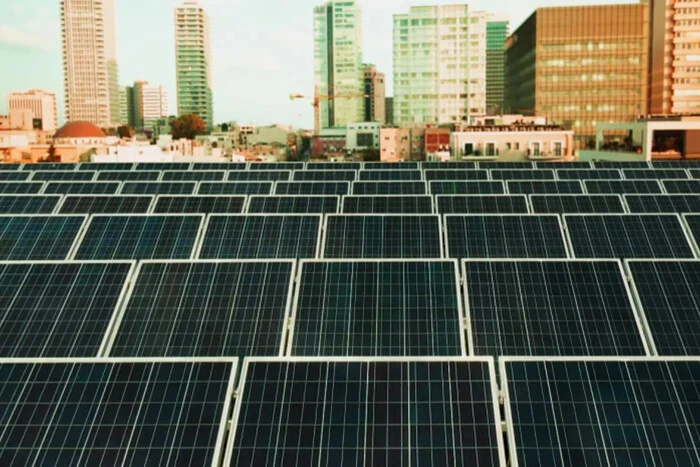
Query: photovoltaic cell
(640, 174)
(126, 204)
(193, 176)
(363, 412)
(622, 187)
(694, 173)
(259, 175)
(576, 204)
(158, 188)
(544, 187)
(324, 176)
(21, 188)
(235, 188)
(291, 204)
(663, 203)
(388, 204)
(140, 237)
(334, 165)
(163, 166)
(82, 188)
(448, 165)
(133, 176)
(48, 166)
(312, 188)
(391, 166)
(114, 412)
(219, 166)
(37, 238)
(504, 236)
(669, 299)
(550, 308)
(621, 165)
(28, 204)
(506, 165)
(10, 167)
(627, 236)
(13, 176)
(101, 166)
(58, 309)
(468, 174)
(199, 204)
(276, 166)
(63, 176)
(693, 221)
(564, 165)
(467, 188)
(382, 236)
(597, 174)
(682, 164)
(389, 188)
(389, 175)
(213, 309)
(639, 411)
(261, 236)
(482, 204)
(690, 187)
(377, 308)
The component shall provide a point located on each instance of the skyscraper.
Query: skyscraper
(440, 64)
(338, 68)
(41, 104)
(675, 57)
(496, 35)
(91, 81)
(375, 95)
(193, 62)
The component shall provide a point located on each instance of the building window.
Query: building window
(535, 148)
(490, 149)
(558, 148)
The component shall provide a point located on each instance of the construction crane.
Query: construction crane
(316, 102)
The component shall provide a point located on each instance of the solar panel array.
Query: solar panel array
(368, 307)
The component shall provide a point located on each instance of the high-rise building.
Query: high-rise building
(41, 104)
(496, 35)
(389, 109)
(440, 64)
(90, 80)
(193, 62)
(338, 68)
(375, 95)
(579, 66)
(153, 104)
(126, 105)
(675, 57)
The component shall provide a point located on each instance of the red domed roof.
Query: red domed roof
(79, 130)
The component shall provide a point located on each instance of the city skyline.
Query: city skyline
(256, 63)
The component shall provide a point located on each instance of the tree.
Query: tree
(125, 131)
(187, 126)
(224, 127)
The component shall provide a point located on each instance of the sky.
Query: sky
(262, 50)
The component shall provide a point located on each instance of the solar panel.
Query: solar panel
(504, 236)
(482, 204)
(681, 164)
(199, 204)
(38, 238)
(135, 176)
(467, 188)
(390, 175)
(622, 187)
(9, 167)
(448, 165)
(210, 308)
(366, 412)
(621, 165)
(193, 176)
(382, 236)
(690, 187)
(694, 173)
(663, 203)
(693, 222)
(259, 236)
(312, 188)
(602, 411)
(522, 174)
(235, 188)
(21, 188)
(577, 165)
(134, 236)
(389, 188)
(119, 204)
(598, 174)
(49, 166)
(545, 187)
(103, 166)
(276, 166)
(431, 175)
(324, 176)
(158, 188)
(334, 165)
(291, 204)
(115, 412)
(627, 236)
(82, 188)
(64, 175)
(390, 166)
(12, 176)
(640, 174)
(378, 308)
(668, 298)
(388, 204)
(259, 175)
(52, 309)
(576, 204)
(523, 165)
(163, 166)
(220, 166)
(550, 308)
(28, 204)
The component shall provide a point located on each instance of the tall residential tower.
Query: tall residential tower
(375, 95)
(193, 62)
(90, 77)
(338, 68)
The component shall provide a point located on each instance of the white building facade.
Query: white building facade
(154, 104)
(42, 105)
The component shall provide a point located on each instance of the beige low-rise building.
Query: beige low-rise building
(394, 144)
